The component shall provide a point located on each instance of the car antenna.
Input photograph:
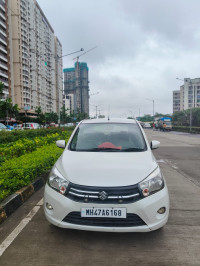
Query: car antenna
(108, 112)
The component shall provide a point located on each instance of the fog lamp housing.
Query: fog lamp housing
(162, 210)
(49, 206)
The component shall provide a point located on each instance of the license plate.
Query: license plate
(104, 212)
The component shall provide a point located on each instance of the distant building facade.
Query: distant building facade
(176, 101)
(188, 96)
(5, 53)
(30, 57)
(76, 88)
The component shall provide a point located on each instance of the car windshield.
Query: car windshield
(116, 137)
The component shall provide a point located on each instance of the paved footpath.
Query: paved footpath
(178, 243)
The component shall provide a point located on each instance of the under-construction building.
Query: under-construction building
(76, 89)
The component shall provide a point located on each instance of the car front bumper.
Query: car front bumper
(145, 208)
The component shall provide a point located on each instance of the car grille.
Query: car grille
(103, 195)
(130, 221)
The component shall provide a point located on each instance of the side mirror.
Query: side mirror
(61, 144)
(155, 144)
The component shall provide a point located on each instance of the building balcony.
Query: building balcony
(2, 74)
(3, 81)
(25, 75)
(3, 33)
(3, 58)
(3, 65)
(2, 16)
(2, 7)
(3, 40)
(3, 24)
(3, 49)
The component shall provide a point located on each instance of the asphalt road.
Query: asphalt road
(37, 242)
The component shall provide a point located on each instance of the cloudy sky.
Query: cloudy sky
(142, 46)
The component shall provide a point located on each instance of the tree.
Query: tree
(1, 90)
(7, 109)
(51, 117)
(146, 118)
(38, 110)
(80, 116)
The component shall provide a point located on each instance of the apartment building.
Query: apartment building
(30, 57)
(176, 101)
(4, 48)
(69, 97)
(58, 74)
(76, 88)
(68, 101)
(188, 96)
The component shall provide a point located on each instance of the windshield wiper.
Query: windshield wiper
(133, 149)
(101, 149)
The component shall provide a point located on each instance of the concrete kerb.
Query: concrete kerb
(14, 201)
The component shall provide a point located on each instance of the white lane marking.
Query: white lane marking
(161, 161)
(40, 203)
(6, 243)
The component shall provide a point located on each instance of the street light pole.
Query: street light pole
(96, 107)
(152, 100)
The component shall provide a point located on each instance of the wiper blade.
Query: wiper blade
(133, 149)
(103, 149)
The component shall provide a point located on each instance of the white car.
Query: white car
(147, 125)
(107, 179)
(31, 125)
(3, 127)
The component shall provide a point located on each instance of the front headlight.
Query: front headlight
(153, 183)
(57, 181)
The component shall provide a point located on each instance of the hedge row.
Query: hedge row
(14, 135)
(195, 130)
(19, 172)
(23, 146)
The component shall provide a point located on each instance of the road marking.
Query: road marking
(161, 161)
(6, 243)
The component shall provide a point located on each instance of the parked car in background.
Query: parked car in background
(3, 127)
(141, 123)
(31, 125)
(70, 124)
(52, 125)
(19, 127)
(107, 179)
(147, 125)
(10, 127)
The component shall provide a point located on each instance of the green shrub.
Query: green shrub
(19, 172)
(14, 135)
(195, 130)
(23, 146)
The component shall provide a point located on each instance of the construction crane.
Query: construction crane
(77, 58)
(95, 93)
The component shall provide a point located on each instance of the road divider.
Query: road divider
(14, 201)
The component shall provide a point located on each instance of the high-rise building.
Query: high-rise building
(4, 48)
(58, 75)
(30, 57)
(188, 96)
(76, 88)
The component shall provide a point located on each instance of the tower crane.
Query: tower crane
(77, 58)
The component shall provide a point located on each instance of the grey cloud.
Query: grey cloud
(142, 47)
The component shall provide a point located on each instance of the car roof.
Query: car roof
(111, 120)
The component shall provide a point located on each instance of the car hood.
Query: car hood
(106, 168)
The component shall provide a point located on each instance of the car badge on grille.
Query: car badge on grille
(103, 195)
